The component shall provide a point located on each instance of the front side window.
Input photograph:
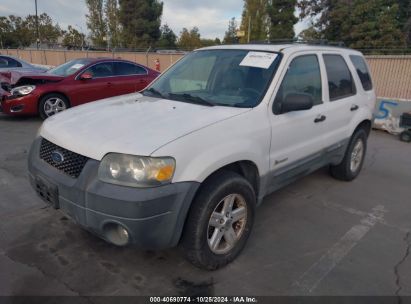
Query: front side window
(340, 82)
(235, 78)
(124, 69)
(362, 71)
(101, 70)
(303, 77)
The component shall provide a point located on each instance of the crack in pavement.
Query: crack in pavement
(407, 240)
(46, 275)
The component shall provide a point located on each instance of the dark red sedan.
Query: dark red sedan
(71, 84)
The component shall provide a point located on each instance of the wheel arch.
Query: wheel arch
(53, 92)
(245, 168)
(366, 124)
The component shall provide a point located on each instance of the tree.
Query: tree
(16, 31)
(22, 35)
(268, 19)
(231, 33)
(95, 22)
(73, 39)
(372, 24)
(405, 19)
(358, 23)
(310, 34)
(49, 32)
(111, 11)
(140, 20)
(207, 42)
(6, 33)
(281, 19)
(167, 39)
(254, 17)
(189, 40)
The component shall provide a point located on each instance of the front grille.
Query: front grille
(72, 163)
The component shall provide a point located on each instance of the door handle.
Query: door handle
(320, 118)
(354, 108)
(109, 84)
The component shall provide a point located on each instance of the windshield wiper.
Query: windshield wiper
(192, 99)
(153, 91)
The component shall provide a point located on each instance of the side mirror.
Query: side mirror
(86, 76)
(297, 102)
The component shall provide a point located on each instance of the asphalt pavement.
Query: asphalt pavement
(318, 236)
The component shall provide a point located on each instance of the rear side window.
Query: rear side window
(340, 81)
(14, 63)
(3, 63)
(303, 77)
(124, 68)
(362, 71)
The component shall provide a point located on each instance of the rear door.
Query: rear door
(342, 102)
(297, 137)
(99, 87)
(130, 77)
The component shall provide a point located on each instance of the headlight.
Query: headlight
(136, 171)
(23, 90)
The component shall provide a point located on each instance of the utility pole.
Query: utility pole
(37, 26)
(249, 29)
(82, 36)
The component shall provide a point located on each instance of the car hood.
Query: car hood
(130, 124)
(29, 76)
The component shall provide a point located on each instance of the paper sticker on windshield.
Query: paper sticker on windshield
(258, 60)
(77, 66)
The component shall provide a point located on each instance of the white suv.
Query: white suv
(187, 160)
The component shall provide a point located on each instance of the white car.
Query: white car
(187, 160)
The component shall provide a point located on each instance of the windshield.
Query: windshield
(236, 78)
(69, 68)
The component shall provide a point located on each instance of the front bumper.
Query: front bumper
(24, 105)
(153, 217)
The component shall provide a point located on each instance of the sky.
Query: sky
(211, 16)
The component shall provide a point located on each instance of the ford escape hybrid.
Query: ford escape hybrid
(186, 161)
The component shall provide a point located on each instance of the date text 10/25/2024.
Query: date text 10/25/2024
(234, 299)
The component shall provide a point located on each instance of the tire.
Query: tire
(200, 229)
(346, 170)
(405, 136)
(51, 104)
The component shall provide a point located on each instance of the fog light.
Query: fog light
(18, 108)
(116, 234)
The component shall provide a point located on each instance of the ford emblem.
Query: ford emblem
(57, 157)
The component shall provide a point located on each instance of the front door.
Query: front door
(99, 87)
(297, 137)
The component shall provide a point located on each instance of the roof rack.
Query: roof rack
(299, 41)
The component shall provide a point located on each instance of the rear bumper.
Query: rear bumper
(153, 217)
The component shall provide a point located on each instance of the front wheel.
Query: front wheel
(354, 157)
(219, 222)
(52, 104)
